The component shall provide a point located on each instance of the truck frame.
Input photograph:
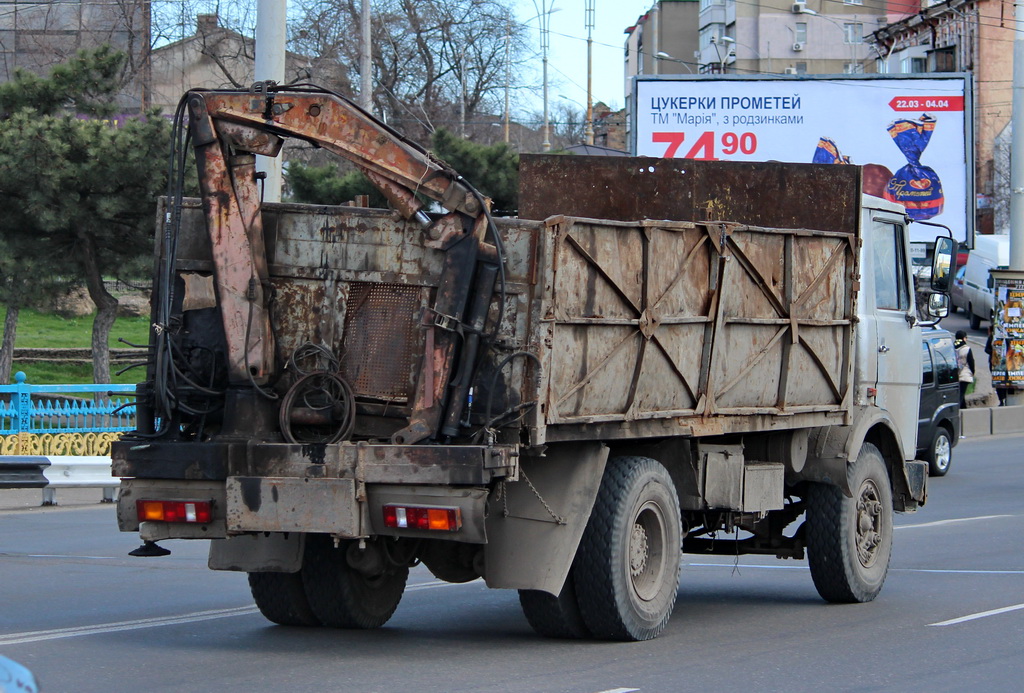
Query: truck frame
(658, 356)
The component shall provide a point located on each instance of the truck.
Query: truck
(654, 357)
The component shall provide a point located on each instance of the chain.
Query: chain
(557, 518)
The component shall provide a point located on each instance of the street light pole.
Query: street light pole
(588, 131)
(544, 15)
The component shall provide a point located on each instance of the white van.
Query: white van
(990, 252)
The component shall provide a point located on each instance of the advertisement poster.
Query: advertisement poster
(910, 134)
(1007, 358)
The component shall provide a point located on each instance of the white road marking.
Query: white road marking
(894, 570)
(620, 690)
(939, 523)
(61, 633)
(982, 614)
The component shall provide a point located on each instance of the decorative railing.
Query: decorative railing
(62, 419)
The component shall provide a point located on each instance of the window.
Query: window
(853, 2)
(801, 68)
(927, 373)
(890, 272)
(704, 4)
(881, 67)
(945, 360)
(944, 60)
(800, 33)
(853, 69)
(911, 65)
(854, 32)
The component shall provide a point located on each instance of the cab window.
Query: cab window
(889, 267)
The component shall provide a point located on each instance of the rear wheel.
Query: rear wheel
(281, 598)
(343, 597)
(849, 540)
(627, 566)
(940, 454)
(555, 617)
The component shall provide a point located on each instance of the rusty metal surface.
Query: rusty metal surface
(382, 338)
(825, 198)
(267, 504)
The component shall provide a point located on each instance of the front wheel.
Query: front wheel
(849, 540)
(940, 454)
(974, 320)
(627, 565)
(341, 596)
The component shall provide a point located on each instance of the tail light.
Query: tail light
(422, 517)
(197, 512)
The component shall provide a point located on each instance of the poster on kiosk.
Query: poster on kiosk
(911, 134)
(1007, 358)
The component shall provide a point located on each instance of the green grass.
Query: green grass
(51, 331)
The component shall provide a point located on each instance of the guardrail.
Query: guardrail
(50, 473)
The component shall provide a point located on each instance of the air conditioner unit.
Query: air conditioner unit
(798, 46)
(799, 7)
(791, 71)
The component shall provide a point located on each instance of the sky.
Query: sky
(567, 59)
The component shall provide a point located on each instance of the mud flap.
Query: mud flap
(535, 524)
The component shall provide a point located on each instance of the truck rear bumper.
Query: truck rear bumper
(333, 489)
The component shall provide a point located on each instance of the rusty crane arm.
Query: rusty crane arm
(230, 127)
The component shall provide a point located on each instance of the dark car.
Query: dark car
(938, 426)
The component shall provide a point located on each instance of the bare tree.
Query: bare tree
(436, 63)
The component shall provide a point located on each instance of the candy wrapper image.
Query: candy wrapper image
(915, 186)
(875, 176)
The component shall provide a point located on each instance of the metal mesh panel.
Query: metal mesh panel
(381, 339)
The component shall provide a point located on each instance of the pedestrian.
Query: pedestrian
(1000, 389)
(964, 364)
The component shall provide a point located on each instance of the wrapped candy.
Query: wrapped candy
(915, 186)
(828, 153)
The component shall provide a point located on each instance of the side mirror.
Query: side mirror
(938, 306)
(942, 263)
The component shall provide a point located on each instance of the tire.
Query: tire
(627, 566)
(555, 617)
(973, 319)
(940, 453)
(849, 540)
(342, 597)
(281, 598)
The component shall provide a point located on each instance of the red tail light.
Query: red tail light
(197, 512)
(421, 517)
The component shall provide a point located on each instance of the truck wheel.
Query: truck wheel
(849, 540)
(940, 454)
(555, 617)
(281, 598)
(342, 597)
(627, 566)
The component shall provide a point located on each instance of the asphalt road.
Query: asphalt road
(86, 617)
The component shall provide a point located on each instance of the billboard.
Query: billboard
(911, 133)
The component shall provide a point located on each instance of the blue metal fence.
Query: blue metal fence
(83, 409)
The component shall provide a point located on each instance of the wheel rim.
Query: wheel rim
(942, 453)
(869, 523)
(647, 551)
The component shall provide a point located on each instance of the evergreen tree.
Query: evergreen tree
(77, 189)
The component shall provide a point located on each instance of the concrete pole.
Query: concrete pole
(270, 39)
(365, 59)
(1017, 147)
